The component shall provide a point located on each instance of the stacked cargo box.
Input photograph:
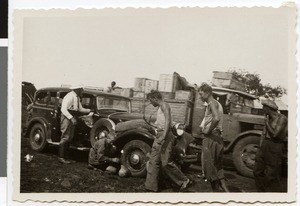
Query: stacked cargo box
(228, 80)
(142, 86)
(170, 87)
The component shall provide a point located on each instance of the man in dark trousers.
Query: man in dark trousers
(268, 164)
(161, 153)
(212, 144)
(70, 104)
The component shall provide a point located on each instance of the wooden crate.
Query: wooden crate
(181, 110)
(139, 84)
(184, 95)
(138, 104)
(117, 91)
(222, 75)
(168, 95)
(150, 85)
(127, 92)
(228, 80)
(138, 94)
(169, 82)
(145, 85)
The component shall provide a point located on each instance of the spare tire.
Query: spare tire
(101, 129)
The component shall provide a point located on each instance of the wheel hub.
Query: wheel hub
(249, 154)
(135, 159)
(37, 137)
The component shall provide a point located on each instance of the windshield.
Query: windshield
(113, 103)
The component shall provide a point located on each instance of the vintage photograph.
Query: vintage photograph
(156, 104)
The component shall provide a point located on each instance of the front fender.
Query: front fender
(140, 134)
(229, 147)
(42, 121)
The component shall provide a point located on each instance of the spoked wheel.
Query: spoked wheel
(134, 157)
(37, 137)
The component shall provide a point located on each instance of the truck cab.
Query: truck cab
(242, 125)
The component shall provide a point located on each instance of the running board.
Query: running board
(71, 146)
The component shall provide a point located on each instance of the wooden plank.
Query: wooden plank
(182, 94)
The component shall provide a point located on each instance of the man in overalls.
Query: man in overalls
(267, 168)
(162, 147)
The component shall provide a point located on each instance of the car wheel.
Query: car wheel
(37, 137)
(100, 129)
(244, 154)
(135, 157)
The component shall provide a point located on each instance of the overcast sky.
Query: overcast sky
(97, 47)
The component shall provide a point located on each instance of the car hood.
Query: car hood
(249, 118)
(124, 116)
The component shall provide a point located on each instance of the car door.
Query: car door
(83, 131)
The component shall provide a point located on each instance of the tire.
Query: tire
(244, 154)
(134, 157)
(37, 137)
(103, 126)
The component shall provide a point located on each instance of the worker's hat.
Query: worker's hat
(80, 86)
(269, 103)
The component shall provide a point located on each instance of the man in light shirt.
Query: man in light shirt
(70, 103)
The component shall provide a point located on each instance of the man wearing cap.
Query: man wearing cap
(70, 104)
(267, 168)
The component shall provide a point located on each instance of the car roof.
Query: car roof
(225, 90)
(94, 92)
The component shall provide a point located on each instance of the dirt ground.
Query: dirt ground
(45, 174)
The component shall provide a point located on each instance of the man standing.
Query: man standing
(162, 148)
(267, 168)
(212, 144)
(70, 104)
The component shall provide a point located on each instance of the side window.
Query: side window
(42, 98)
(52, 98)
(61, 96)
(87, 101)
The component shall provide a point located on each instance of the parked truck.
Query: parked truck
(242, 122)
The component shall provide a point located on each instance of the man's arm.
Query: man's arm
(82, 109)
(281, 124)
(167, 112)
(67, 100)
(214, 106)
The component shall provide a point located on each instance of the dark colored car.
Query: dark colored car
(43, 125)
(28, 90)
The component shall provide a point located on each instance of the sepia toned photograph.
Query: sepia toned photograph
(155, 105)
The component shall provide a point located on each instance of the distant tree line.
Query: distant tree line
(255, 87)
